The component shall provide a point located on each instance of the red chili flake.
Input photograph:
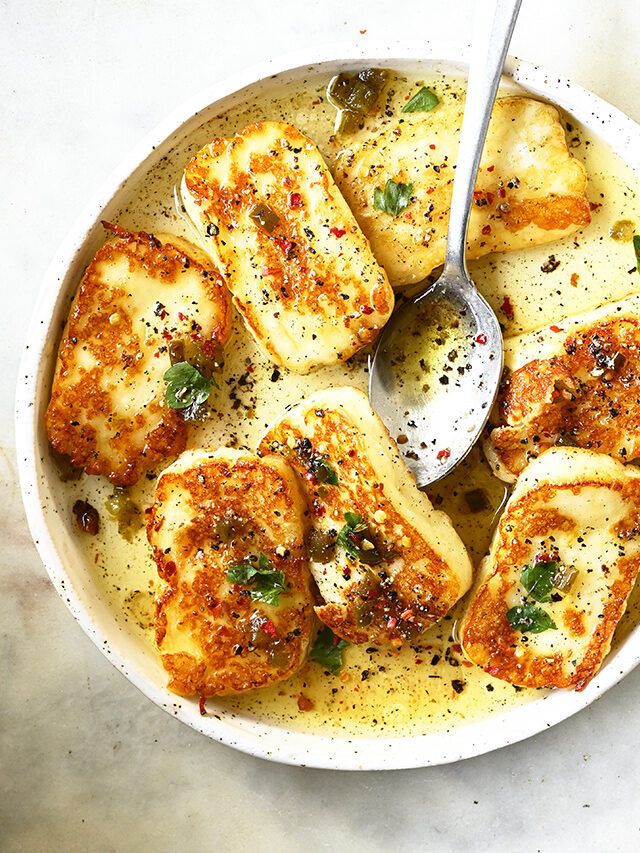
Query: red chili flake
(507, 308)
(167, 335)
(335, 639)
(492, 670)
(156, 354)
(269, 629)
(295, 200)
(490, 168)
(574, 279)
(543, 558)
(318, 509)
(304, 704)
(502, 192)
(203, 710)
(432, 147)
(270, 271)
(316, 101)
(392, 622)
(556, 328)
(362, 32)
(456, 647)
(366, 309)
(346, 573)
(210, 347)
(594, 205)
(337, 232)
(445, 453)
(351, 453)
(250, 368)
(486, 229)
(284, 245)
(490, 198)
(431, 190)
(477, 194)
(481, 338)
(418, 661)
(181, 316)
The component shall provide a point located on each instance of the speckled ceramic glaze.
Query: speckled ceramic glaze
(56, 542)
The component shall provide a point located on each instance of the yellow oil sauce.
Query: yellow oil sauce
(426, 686)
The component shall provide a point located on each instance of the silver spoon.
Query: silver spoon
(436, 369)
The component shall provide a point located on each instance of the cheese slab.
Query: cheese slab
(562, 563)
(387, 564)
(300, 270)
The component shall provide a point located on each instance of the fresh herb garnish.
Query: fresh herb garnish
(266, 583)
(529, 619)
(636, 249)
(357, 540)
(423, 101)
(316, 463)
(186, 386)
(394, 198)
(323, 472)
(327, 650)
(538, 577)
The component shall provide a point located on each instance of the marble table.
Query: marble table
(86, 762)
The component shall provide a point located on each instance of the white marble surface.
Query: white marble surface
(86, 762)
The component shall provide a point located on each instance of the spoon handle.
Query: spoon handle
(491, 44)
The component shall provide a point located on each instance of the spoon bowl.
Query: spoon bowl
(441, 356)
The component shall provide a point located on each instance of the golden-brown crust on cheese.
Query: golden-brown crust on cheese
(529, 189)
(587, 396)
(387, 604)
(314, 263)
(206, 626)
(106, 352)
(488, 639)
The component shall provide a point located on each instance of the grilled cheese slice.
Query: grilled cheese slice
(305, 280)
(577, 513)
(529, 189)
(576, 384)
(391, 581)
(107, 411)
(215, 510)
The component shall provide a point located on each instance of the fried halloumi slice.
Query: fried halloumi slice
(301, 272)
(107, 411)
(529, 189)
(573, 524)
(582, 388)
(398, 564)
(220, 626)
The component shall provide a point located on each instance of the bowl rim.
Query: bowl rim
(251, 736)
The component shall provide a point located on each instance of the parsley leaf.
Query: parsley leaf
(186, 386)
(327, 650)
(353, 536)
(529, 619)
(266, 583)
(538, 579)
(323, 472)
(636, 249)
(393, 199)
(423, 101)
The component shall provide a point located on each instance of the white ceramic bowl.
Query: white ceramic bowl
(56, 544)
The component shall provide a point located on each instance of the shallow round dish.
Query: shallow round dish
(55, 541)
